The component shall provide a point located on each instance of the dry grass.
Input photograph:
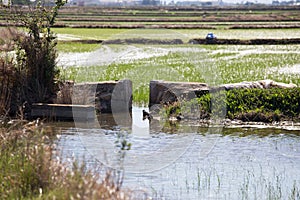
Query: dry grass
(7, 78)
(64, 95)
(7, 68)
(31, 170)
(7, 38)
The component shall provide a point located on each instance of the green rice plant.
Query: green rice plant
(7, 78)
(241, 33)
(259, 186)
(212, 64)
(89, 33)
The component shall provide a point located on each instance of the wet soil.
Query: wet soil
(192, 41)
(246, 42)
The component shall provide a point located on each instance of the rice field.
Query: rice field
(184, 34)
(237, 167)
(214, 65)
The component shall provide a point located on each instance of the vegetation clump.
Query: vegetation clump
(32, 72)
(261, 105)
(248, 105)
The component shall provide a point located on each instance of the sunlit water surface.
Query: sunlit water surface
(231, 163)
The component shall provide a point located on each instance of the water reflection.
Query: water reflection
(140, 126)
(238, 163)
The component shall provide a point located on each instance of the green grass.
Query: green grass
(76, 47)
(254, 104)
(184, 34)
(91, 33)
(242, 33)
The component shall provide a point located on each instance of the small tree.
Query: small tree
(36, 55)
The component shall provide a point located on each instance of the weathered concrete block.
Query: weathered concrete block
(63, 112)
(164, 91)
(168, 92)
(107, 97)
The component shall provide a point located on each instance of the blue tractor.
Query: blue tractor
(211, 38)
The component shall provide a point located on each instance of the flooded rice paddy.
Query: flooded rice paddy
(179, 160)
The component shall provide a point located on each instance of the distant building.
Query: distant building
(6, 2)
(288, 3)
(84, 2)
(200, 3)
(249, 3)
(150, 2)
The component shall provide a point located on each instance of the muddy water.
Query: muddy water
(176, 161)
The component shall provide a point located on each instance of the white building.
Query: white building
(5, 2)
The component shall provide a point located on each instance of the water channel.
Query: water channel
(180, 161)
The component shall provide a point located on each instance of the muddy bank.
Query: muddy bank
(146, 41)
(267, 26)
(247, 42)
(165, 24)
(82, 41)
(127, 41)
(143, 41)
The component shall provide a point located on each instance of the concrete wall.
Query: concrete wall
(165, 91)
(108, 96)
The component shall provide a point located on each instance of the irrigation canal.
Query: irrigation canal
(191, 162)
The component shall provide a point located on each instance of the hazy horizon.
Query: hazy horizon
(226, 1)
(255, 1)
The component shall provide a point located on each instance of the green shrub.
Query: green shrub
(33, 77)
